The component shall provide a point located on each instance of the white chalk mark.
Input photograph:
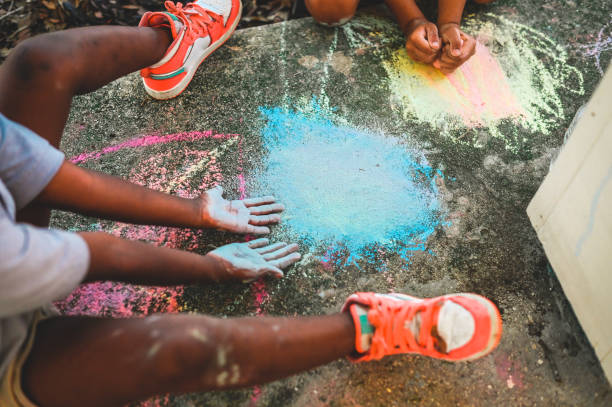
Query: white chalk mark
(221, 356)
(283, 65)
(199, 335)
(152, 319)
(117, 332)
(330, 54)
(603, 44)
(222, 378)
(153, 350)
(198, 167)
(235, 374)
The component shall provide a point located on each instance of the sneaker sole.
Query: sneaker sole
(180, 87)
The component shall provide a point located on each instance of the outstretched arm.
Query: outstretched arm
(95, 194)
(116, 259)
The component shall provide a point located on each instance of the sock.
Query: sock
(363, 326)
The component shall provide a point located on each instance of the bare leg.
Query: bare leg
(40, 77)
(107, 362)
(332, 12)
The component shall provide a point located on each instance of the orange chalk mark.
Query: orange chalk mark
(483, 85)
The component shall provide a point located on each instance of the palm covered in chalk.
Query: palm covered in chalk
(249, 261)
(239, 216)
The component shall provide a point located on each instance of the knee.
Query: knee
(29, 60)
(332, 12)
(37, 60)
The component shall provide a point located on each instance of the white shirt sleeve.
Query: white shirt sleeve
(37, 265)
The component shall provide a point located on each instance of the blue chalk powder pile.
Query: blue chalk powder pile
(347, 187)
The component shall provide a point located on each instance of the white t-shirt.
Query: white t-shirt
(37, 265)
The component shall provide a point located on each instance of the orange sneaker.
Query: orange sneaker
(198, 29)
(453, 327)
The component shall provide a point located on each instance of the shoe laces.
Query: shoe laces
(393, 334)
(196, 18)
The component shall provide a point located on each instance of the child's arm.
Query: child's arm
(116, 259)
(40, 265)
(95, 194)
(458, 47)
(422, 41)
(450, 11)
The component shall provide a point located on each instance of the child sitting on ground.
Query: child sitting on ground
(51, 360)
(444, 45)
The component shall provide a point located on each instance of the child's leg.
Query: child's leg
(105, 362)
(332, 12)
(40, 77)
(101, 362)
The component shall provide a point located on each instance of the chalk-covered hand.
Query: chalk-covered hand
(457, 48)
(239, 216)
(422, 42)
(248, 261)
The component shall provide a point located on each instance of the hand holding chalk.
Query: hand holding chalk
(422, 43)
(457, 48)
(249, 261)
(239, 216)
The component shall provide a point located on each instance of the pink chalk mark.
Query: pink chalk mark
(120, 300)
(149, 141)
(160, 401)
(261, 295)
(509, 371)
(329, 257)
(484, 90)
(162, 172)
(255, 396)
(242, 186)
(241, 181)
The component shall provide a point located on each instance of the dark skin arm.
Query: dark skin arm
(422, 41)
(117, 259)
(450, 11)
(95, 194)
(37, 83)
(457, 46)
(76, 60)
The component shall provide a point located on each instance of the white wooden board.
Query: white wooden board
(572, 215)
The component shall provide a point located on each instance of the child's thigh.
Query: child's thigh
(84, 361)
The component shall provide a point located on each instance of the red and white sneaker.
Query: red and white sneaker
(198, 29)
(453, 327)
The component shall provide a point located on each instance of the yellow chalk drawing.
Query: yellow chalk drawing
(516, 74)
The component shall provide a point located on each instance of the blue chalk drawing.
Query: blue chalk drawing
(594, 202)
(359, 193)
